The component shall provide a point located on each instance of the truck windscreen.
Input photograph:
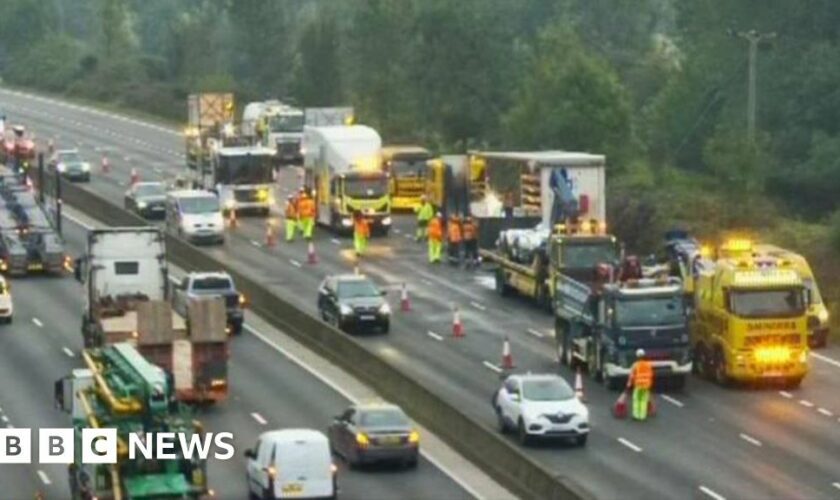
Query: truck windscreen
(199, 205)
(366, 186)
(213, 283)
(589, 255)
(409, 168)
(244, 169)
(649, 311)
(779, 303)
(286, 123)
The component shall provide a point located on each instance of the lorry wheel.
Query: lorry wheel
(719, 363)
(501, 287)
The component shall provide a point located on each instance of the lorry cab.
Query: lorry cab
(195, 215)
(243, 178)
(291, 463)
(749, 323)
(576, 252)
(406, 166)
(818, 317)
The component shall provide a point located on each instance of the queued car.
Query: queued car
(211, 284)
(374, 432)
(70, 164)
(352, 302)
(146, 199)
(6, 306)
(540, 406)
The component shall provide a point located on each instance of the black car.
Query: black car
(147, 199)
(375, 432)
(353, 302)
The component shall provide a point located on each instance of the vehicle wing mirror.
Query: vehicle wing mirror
(249, 453)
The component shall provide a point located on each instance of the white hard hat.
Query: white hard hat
(640, 353)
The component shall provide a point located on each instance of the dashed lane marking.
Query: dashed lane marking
(825, 412)
(786, 394)
(4, 418)
(806, 403)
(44, 478)
(673, 401)
(478, 306)
(753, 441)
(836, 485)
(630, 445)
(255, 243)
(535, 333)
(434, 336)
(259, 418)
(336, 241)
(68, 352)
(826, 359)
(711, 493)
(295, 263)
(492, 366)
(37, 322)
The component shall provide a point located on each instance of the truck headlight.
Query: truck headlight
(345, 310)
(141, 204)
(346, 222)
(386, 221)
(61, 167)
(385, 309)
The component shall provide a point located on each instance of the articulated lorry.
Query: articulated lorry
(601, 325)
(275, 126)
(343, 167)
(120, 389)
(126, 279)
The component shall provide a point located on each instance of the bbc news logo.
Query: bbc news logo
(100, 446)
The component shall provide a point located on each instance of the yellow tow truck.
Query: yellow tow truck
(749, 322)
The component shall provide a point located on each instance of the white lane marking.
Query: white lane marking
(349, 397)
(44, 478)
(426, 282)
(255, 243)
(786, 394)
(492, 366)
(673, 401)
(397, 230)
(535, 333)
(408, 236)
(37, 322)
(434, 336)
(836, 485)
(825, 412)
(629, 445)
(478, 306)
(259, 418)
(10, 426)
(295, 263)
(4, 418)
(336, 241)
(753, 441)
(68, 352)
(806, 403)
(711, 493)
(826, 359)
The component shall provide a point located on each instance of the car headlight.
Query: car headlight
(823, 316)
(86, 167)
(346, 222)
(61, 167)
(385, 309)
(386, 221)
(345, 310)
(141, 204)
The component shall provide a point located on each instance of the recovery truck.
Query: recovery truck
(209, 117)
(342, 165)
(125, 275)
(750, 318)
(406, 166)
(243, 178)
(601, 325)
(121, 389)
(283, 129)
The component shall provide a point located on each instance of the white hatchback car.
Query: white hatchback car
(6, 307)
(541, 405)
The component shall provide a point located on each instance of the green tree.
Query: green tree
(261, 36)
(570, 100)
(317, 73)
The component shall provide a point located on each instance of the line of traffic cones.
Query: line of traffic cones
(105, 164)
(507, 357)
(135, 176)
(270, 240)
(405, 303)
(311, 257)
(457, 327)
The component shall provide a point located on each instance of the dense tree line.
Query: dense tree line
(658, 85)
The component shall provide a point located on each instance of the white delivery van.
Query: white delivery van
(196, 216)
(291, 463)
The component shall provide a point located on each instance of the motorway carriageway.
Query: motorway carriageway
(706, 441)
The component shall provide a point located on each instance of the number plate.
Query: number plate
(390, 440)
(292, 488)
(367, 317)
(772, 374)
(36, 267)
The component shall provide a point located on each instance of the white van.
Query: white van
(195, 215)
(291, 463)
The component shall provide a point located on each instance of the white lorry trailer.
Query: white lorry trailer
(276, 126)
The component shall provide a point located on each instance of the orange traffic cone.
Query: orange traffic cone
(311, 258)
(232, 222)
(507, 357)
(579, 386)
(269, 234)
(405, 303)
(457, 327)
(106, 165)
(356, 270)
(135, 177)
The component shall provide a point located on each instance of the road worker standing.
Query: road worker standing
(306, 213)
(361, 233)
(435, 233)
(641, 381)
(454, 238)
(291, 215)
(425, 212)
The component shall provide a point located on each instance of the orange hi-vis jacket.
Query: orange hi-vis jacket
(453, 230)
(306, 208)
(435, 229)
(470, 231)
(362, 227)
(291, 210)
(641, 375)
